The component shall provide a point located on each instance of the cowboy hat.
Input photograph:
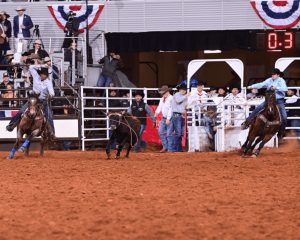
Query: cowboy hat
(138, 93)
(4, 13)
(47, 59)
(5, 74)
(277, 72)
(20, 9)
(9, 53)
(164, 89)
(38, 41)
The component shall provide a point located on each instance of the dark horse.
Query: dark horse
(34, 124)
(265, 125)
(125, 131)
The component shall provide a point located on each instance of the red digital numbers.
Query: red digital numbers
(280, 40)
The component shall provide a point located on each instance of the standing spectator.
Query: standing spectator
(235, 95)
(71, 30)
(5, 26)
(114, 104)
(139, 110)
(293, 101)
(165, 129)
(110, 65)
(212, 92)
(37, 49)
(125, 103)
(22, 26)
(178, 105)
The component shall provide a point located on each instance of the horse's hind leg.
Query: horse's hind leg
(42, 147)
(248, 146)
(128, 151)
(27, 150)
(120, 147)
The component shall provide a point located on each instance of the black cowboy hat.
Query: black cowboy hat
(235, 86)
(138, 92)
(201, 83)
(43, 71)
(277, 72)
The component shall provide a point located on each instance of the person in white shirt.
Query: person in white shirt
(165, 128)
(198, 96)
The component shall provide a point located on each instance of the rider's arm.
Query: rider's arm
(281, 86)
(264, 84)
(49, 85)
(34, 73)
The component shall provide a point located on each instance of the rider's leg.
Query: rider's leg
(259, 108)
(283, 114)
(15, 119)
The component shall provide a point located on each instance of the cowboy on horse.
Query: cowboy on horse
(44, 87)
(278, 84)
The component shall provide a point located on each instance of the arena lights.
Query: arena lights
(212, 51)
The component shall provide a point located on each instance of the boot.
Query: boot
(11, 126)
(246, 124)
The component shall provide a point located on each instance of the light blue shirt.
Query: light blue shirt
(279, 83)
(45, 87)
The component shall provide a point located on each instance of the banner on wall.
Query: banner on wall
(278, 14)
(84, 14)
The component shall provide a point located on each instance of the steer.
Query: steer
(125, 130)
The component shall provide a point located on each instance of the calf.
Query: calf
(125, 130)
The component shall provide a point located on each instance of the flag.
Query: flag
(278, 14)
(83, 13)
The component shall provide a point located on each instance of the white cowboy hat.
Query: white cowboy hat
(38, 41)
(20, 9)
(47, 59)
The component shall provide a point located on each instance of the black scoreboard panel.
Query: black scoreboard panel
(278, 40)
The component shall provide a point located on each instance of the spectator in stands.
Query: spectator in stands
(37, 49)
(5, 82)
(199, 96)
(165, 129)
(22, 25)
(252, 94)
(125, 103)
(8, 65)
(114, 105)
(110, 64)
(293, 101)
(222, 92)
(52, 69)
(71, 30)
(5, 26)
(69, 54)
(139, 110)
(178, 105)
(235, 95)
(212, 92)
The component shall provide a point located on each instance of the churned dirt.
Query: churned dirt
(80, 195)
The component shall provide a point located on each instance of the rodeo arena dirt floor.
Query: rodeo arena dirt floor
(81, 195)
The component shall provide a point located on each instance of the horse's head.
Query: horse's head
(32, 105)
(115, 119)
(270, 102)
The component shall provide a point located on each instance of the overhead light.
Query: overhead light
(162, 51)
(212, 51)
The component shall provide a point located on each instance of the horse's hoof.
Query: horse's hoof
(254, 156)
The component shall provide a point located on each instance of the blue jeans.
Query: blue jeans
(166, 134)
(140, 140)
(283, 114)
(103, 81)
(178, 128)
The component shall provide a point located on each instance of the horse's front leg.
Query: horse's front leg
(16, 145)
(120, 147)
(262, 144)
(248, 146)
(25, 145)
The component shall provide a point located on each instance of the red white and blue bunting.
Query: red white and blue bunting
(278, 14)
(91, 12)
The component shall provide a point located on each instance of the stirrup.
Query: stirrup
(11, 126)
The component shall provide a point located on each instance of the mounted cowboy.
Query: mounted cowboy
(44, 87)
(277, 83)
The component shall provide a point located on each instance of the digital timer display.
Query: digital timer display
(280, 40)
(273, 40)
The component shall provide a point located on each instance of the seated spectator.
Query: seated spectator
(5, 82)
(7, 63)
(37, 49)
(252, 94)
(212, 92)
(125, 103)
(114, 103)
(222, 92)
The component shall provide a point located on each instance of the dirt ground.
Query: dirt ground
(80, 195)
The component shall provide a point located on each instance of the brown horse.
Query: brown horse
(265, 125)
(33, 124)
